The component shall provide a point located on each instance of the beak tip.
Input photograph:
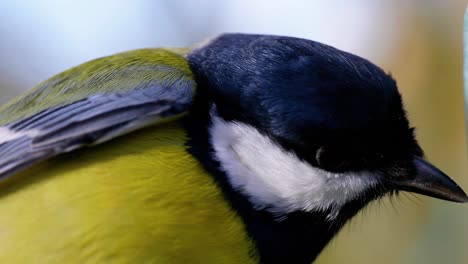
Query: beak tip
(460, 196)
(456, 194)
(464, 199)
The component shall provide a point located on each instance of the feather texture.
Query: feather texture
(92, 103)
(139, 199)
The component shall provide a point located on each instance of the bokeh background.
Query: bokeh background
(418, 41)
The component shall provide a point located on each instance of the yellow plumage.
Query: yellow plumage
(139, 199)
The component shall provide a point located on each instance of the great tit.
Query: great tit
(247, 149)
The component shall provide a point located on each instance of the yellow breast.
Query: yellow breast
(138, 199)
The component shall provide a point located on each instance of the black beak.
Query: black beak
(431, 181)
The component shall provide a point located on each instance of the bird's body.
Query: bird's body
(120, 204)
(249, 149)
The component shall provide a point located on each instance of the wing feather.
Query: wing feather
(96, 117)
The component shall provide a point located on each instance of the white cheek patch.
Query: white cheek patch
(277, 180)
(7, 134)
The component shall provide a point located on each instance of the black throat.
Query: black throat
(295, 238)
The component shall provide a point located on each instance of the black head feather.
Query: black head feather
(336, 110)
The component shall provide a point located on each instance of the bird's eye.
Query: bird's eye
(331, 159)
(319, 156)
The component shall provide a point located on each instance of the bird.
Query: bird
(244, 149)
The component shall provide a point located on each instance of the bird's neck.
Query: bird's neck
(297, 237)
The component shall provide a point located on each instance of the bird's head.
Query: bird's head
(299, 126)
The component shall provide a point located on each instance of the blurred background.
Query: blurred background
(418, 41)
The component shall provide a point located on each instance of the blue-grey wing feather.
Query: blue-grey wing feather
(90, 121)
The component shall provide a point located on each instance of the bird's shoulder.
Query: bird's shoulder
(116, 74)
